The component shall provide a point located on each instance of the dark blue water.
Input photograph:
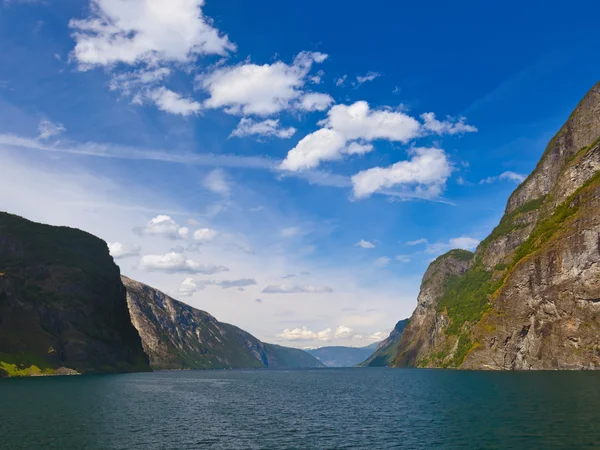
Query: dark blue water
(330, 408)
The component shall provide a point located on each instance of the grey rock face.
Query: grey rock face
(540, 283)
(177, 336)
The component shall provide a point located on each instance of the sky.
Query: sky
(290, 167)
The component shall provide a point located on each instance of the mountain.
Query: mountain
(385, 352)
(529, 297)
(63, 307)
(177, 336)
(339, 356)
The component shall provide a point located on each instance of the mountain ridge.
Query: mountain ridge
(526, 299)
(178, 336)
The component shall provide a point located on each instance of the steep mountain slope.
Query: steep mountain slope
(62, 303)
(339, 356)
(385, 352)
(177, 336)
(529, 298)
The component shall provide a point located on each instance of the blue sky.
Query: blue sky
(292, 168)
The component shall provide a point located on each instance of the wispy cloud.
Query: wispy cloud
(508, 175)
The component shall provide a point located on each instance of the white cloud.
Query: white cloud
(318, 78)
(315, 101)
(341, 80)
(342, 332)
(359, 121)
(261, 90)
(403, 258)
(118, 250)
(364, 244)
(188, 287)
(350, 129)
(382, 261)
(417, 242)
(268, 127)
(172, 102)
(145, 31)
(463, 242)
(356, 125)
(141, 41)
(370, 76)
(48, 129)
(508, 175)
(205, 234)
(216, 181)
(173, 262)
(449, 126)
(130, 83)
(165, 226)
(427, 172)
(304, 334)
(379, 336)
(296, 289)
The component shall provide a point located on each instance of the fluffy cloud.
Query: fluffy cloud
(379, 336)
(364, 244)
(315, 101)
(205, 234)
(173, 262)
(508, 175)
(356, 125)
(145, 31)
(49, 129)
(382, 261)
(188, 287)
(118, 250)
(164, 226)
(426, 172)
(450, 126)
(342, 332)
(304, 334)
(296, 289)
(266, 128)
(350, 129)
(216, 181)
(261, 90)
(463, 242)
(146, 37)
(172, 102)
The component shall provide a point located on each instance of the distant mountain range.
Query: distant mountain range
(65, 309)
(339, 356)
(386, 351)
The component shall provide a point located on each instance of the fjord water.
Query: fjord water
(327, 408)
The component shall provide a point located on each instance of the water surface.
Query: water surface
(328, 408)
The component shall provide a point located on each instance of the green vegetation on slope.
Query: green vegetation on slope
(467, 297)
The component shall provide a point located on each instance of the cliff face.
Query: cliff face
(177, 336)
(62, 304)
(384, 354)
(530, 295)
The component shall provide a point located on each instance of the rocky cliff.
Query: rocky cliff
(385, 352)
(529, 297)
(177, 336)
(62, 304)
